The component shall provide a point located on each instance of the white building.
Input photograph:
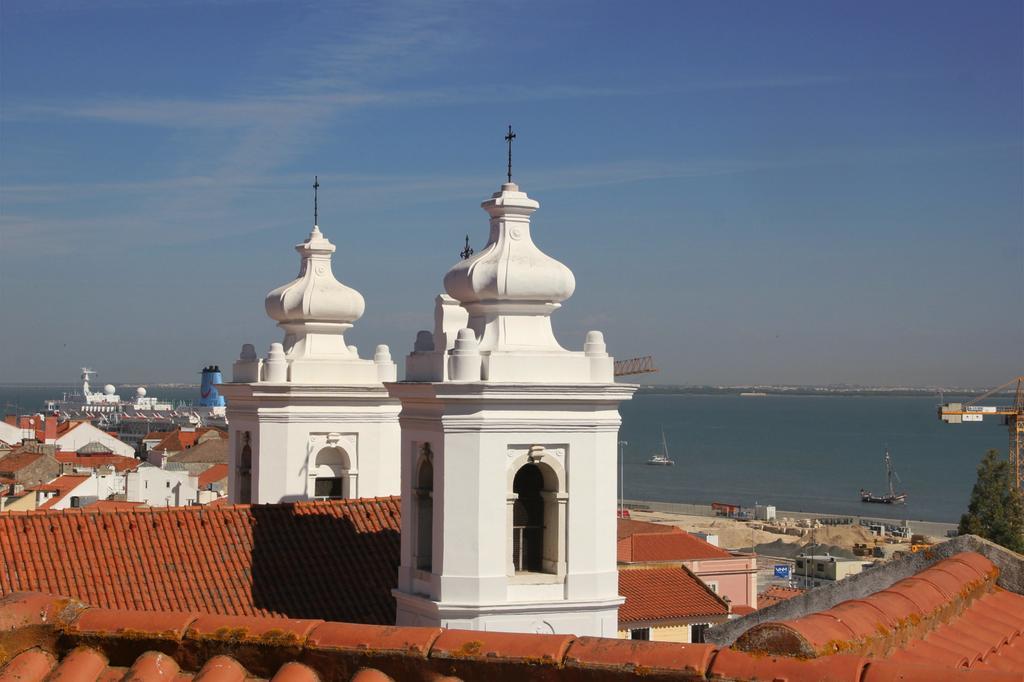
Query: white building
(312, 419)
(83, 433)
(161, 487)
(508, 450)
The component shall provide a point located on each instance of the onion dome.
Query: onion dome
(315, 296)
(510, 269)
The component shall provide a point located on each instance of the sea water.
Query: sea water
(797, 453)
(804, 453)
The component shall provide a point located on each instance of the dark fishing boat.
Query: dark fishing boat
(893, 497)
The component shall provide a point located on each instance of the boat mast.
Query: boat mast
(664, 443)
(888, 472)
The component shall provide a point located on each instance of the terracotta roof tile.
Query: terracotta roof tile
(45, 637)
(90, 461)
(666, 594)
(652, 547)
(209, 452)
(775, 594)
(18, 460)
(950, 614)
(480, 646)
(627, 527)
(218, 472)
(737, 665)
(336, 560)
(354, 636)
(33, 665)
(596, 653)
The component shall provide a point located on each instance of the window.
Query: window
(713, 587)
(528, 519)
(821, 567)
(697, 633)
(328, 487)
(167, 484)
(641, 634)
(425, 514)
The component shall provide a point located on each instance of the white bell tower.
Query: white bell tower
(508, 450)
(312, 420)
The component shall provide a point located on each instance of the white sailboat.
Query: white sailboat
(661, 459)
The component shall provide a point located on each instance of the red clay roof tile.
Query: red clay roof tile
(33, 665)
(666, 594)
(236, 560)
(218, 472)
(616, 654)
(627, 527)
(652, 547)
(354, 636)
(737, 665)
(221, 669)
(295, 672)
(951, 614)
(83, 664)
(475, 645)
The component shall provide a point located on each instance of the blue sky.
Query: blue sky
(811, 193)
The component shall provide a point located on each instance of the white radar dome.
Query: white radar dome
(141, 391)
(109, 389)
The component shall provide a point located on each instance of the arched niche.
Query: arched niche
(423, 549)
(536, 514)
(244, 469)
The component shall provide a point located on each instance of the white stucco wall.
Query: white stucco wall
(83, 434)
(158, 487)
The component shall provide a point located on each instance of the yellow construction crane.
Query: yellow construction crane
(624, 368)
(1013, 417)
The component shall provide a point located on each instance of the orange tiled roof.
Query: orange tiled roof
(647, 547)
(627, 527)
(213, 451)
(42, 637)
(775, 594)
(666, 594)
(335, 560)
(119, 462)
(18, 460)
(156, 435)
(218, 472)
(63, 485)
(952, 614)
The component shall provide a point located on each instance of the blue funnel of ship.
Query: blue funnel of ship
(208, 395)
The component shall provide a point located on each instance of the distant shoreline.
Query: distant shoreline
(805, 391)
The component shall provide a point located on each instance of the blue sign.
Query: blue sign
(782, 571)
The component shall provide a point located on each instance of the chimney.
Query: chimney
(50, 437)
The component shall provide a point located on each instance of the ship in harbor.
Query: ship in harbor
(892, 497)
(108, 410)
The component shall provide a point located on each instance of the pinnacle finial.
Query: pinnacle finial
(467, 250)
(316, 205)
(508, 138)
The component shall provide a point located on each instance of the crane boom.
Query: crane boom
(642, 365)
(1013, 416)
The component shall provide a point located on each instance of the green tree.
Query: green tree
(996, 510)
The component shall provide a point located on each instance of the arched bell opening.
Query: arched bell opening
(537, 520)
(331, 470)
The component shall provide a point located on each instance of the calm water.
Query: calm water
(804, 453)
(798, 453)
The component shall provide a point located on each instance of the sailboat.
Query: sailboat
(661, 459)
(892, 497)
